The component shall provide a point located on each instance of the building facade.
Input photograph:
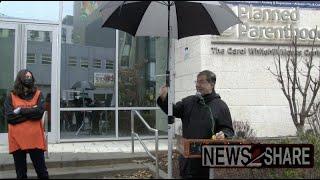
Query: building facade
(241, 58)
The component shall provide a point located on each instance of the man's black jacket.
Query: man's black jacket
(196, 122)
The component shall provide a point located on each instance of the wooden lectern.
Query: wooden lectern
(191, 148)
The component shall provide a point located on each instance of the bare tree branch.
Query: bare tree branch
(299, 85)
(293, 82)
(305, 110)
(300, 72)
(290, 81)
(275, 74)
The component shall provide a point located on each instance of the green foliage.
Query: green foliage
(311, 138)
(284, 174)
(287, 141)
(291, 173)
(243, 130)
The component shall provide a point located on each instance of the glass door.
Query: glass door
(8, 51)
(40, 56)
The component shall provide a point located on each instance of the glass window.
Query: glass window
(41, 46)
(64, 35)
(109, 64)
(40, 36)
(152, 71)
(124, 61)
(46, 59)
(149, 116)
(47, 36)
(84, 63)
(4, 33)
(87, 124)
(7, 46)
(138, 68)
(72, 61)
(104, 99)
(33, 35)
(97, 63)
(31, 58)
(91, 83)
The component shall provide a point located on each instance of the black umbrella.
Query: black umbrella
(84, 85)
(176, 19)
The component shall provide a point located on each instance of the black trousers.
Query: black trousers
(192, 168)
(38, 161)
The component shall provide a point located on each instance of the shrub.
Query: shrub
(243, 130)
(311, 138)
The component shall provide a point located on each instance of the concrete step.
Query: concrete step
(59, 160)
(83, 172)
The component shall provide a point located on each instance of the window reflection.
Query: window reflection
(39, 61)
(137, 70)
(88, 54)
(87, 124)
(7, 45)
(149, 116)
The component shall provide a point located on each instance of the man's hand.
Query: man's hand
(163, 92)
(218, 136)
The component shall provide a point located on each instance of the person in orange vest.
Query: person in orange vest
(24, 107)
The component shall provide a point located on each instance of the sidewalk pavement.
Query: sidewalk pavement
(89, 150)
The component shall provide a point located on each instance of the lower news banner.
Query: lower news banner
(258, 155)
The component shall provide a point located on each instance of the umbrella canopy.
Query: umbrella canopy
(150, 18)
(84, 85)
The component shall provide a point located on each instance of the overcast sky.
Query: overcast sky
(41, 10)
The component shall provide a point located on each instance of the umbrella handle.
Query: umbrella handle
(168, 78)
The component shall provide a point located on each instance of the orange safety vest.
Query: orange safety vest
(28, 134)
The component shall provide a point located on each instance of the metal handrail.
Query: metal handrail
(44, 121)
(133, 134)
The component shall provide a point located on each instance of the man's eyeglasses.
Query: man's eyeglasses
(201, 82)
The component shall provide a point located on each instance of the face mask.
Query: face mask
(27, 82)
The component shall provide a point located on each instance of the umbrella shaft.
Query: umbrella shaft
(168, 48)
(170, 117)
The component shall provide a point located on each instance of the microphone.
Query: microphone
(201, 100)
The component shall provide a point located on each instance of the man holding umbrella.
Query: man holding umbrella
(203, 115)
(171, 19)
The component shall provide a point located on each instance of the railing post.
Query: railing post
(44, 121)
(132, 131)
(170, 149)
(157, 151)
(156, 132)
(211, 173)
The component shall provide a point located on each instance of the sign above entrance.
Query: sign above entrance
(103, 80)
(272, 25)
(300, 4)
